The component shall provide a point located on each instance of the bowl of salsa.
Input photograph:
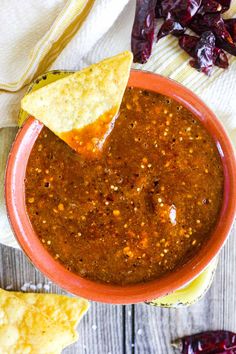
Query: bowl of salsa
(141, 220)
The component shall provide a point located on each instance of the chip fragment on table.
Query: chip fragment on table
(25, 329)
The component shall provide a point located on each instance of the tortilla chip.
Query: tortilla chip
(59, 308)
(25, 330)
(80, 99)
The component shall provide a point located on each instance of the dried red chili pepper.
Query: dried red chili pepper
(230, 24)
(228, 47)
(189, 44)
(170, 26)
(143, 30)
(220, 58)
(158, 13)
(181, 11)
(214, 23)
(201, 16)
(204, 53)
(210, 342)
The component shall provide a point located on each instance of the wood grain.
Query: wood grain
(6, 138)
(139, 329)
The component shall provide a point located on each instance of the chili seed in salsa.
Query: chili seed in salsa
(139, 210)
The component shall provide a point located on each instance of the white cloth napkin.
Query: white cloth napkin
(106, 32)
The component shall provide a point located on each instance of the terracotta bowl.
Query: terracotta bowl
(29, 242)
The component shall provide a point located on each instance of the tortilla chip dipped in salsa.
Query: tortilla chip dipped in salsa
(80, 107)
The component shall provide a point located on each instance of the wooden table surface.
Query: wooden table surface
(133, 329)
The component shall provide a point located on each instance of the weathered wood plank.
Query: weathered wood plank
(128, 328)
(102, 330)
(6, 138)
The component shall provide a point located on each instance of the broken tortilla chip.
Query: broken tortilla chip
(25, 329)
(59, 308)
(90, 97)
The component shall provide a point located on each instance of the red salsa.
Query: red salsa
(138, 210)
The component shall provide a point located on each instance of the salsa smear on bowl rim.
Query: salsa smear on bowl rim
(139, 210)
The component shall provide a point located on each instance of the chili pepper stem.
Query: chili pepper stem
(177, 344)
